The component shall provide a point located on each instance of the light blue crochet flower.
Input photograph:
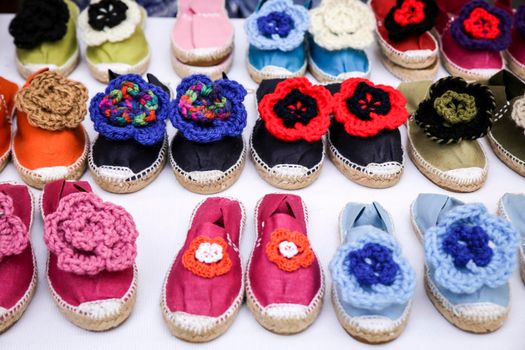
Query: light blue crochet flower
(278, 25)
(375, 296)
(466, 265)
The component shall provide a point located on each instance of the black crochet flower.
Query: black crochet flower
(409, 17)
(107, 13)
(39, 21)
(368, 99)
(455, 111)
(296, 107)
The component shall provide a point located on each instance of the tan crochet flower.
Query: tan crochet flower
(342, 24)
(518, 112)
(53, 102)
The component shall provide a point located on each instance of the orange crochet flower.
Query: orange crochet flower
(289, 250)
(207, 257)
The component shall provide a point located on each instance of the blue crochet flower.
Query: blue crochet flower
(469, 249)
(131, 108)
(371, 273)
(206, 111)
(277, 25)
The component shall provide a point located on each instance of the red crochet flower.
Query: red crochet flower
(289, 250)
(297, 110)
(410, 12)
(207, 257)
(481, 24)
(365, 108)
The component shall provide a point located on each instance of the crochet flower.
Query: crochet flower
(207, 257)
(519, 20)
(410, 17)
(131, 108)
(206, 111)
(89, 236)
(296, 110)
(53, 102)
(14, 236)
(518, 112)
(289, 250)
(455, 110)
(337, 25)
(365, 108)
(108, 20)
(370, 272)
(481, 26)
(277, 25)
(469, 249)
(39, 21)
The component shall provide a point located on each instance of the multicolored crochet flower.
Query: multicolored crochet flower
(455, 110)
(277, 25)
(14, 236)
(365, 108)
(519, 20)
(371, 272)
(337, 25)
(410, 17)
(469, 249)
(131, 108)
(89, 236)
(206, 111)
(481, 26)
(207, 257)
(296, 110)
(289, 250)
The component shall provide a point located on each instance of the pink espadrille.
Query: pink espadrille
(284, 283)
(18, 274)
(204, 289)
(91, 265)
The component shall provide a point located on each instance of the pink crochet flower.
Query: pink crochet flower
(89, 235)
(13, 232)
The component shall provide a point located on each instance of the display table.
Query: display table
(162, 212)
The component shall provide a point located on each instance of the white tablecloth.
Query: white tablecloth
(162, 212)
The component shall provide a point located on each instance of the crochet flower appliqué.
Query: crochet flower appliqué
(277, 25)
(207, 257)
(131, 108)
(108, 20)
(207, 111)
(455, 110)
(89, 236)
(289, 250)
(410, 17)
(481, 26)
(371, 272)
(296, 110)
(337, 24)
(365, 108)
(469, 249)
(14, 236)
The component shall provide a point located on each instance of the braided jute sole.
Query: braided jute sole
(456, 71)
(100, 72)
(512, 162)
(214, 72)
(259, 76)
(287, 182)
(4, 160)
(66, 69)
(192, 59)
(407, 74)
(322, 77)
(517, 67)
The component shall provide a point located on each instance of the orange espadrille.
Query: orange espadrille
(7, 101)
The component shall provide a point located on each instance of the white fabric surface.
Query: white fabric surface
(162, 212)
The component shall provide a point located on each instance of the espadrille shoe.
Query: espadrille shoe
(373, 283)
(287, 143)
(45, 36)
(50, 142)
(284, 280)
(18, 271)
(132, 146)
(276, 34)
(364, 141)
(339, 32)
(113, 33)
(510, 207)
(204, 288)
(473, 38)
(516, 52)
(202, 38)
(208, 152)
(91, 267)
(507, 136)
(8, 90)
(448, 118)
(469, 257)
(410, 51)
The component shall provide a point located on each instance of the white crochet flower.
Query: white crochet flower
(342, 24)
(518, 112)
(122, 31)
(209, 253)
